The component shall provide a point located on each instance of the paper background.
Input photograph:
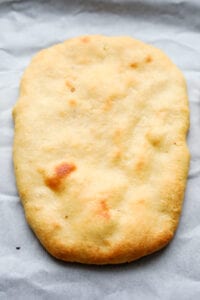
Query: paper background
(30, 273)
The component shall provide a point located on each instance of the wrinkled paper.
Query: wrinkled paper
(26, 270)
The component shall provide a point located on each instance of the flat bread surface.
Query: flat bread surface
(100, 150)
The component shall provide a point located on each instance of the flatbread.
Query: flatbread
(100, 150)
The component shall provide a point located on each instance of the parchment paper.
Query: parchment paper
(29, 272)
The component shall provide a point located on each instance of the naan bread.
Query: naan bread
(100, 149)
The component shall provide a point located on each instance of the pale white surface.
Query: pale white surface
(30, 273)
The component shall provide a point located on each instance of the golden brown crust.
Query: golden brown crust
(99, 152)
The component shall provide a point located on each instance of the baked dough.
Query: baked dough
(100, 150)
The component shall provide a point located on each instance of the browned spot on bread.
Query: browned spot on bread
(64, 169)
(154, 138)
(103, 210)
(139, 205)
(37, 208)
(61, 171)
(131, 82)
(140, 164)
(70, 86)
(108, 105)
(141, 201)
(117, 155)
(72, 102)
(106, 242)
(118, 132)
(163, 113)
(148, 59)
(56, 226)
(109, 102)
(134, 65)
(63, 113)
(117, 136)
(85, 39)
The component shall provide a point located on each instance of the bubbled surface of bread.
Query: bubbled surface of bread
(100, 150)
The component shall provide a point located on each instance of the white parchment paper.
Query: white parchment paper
(29, 272)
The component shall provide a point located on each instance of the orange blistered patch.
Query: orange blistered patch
(140, 164)
(72, 102)
(56, 226)
(61, 171)
(117, 155)
(139, 206)
(154, 139)
(64, 169)
(70, 86)
(117, 136)
(134, 65)
(85, 39)
(148, 59)
(141, 202)
(108, 103)
(103, 210)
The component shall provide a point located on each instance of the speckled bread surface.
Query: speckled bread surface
(100, 150)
